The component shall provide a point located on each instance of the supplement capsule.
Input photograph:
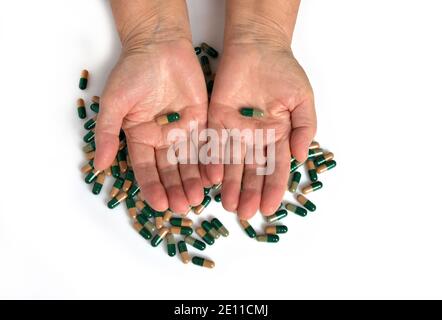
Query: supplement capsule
(312, 187)
(209, 50)
(198, 209)
(89, 147)
(295, 181)
(144, 221)
(314, 145)
(207, 191)
(171, 245)
(81, 109)
(144, 208)
(182, 249)
(294, 164)
(205, 236)
(271, 238)
(311, 170)
(122, 163)
(84, 77)
(133, 190)
(91, 176)
(205, 65)
(116, 187)
(108, 172)
(142, 231)
(185, 231)
(295, 209)
(313, 153)
(195, 243)
(197, 51)
(88, 167)
(220, 227)
(217, 197)
(203, 262)
(167, 118)
(115, 169)
(327, 156)
(251, 112)
(168, 215)
(248, 228)
(98, 185)
(278, 215)
(117, 200)
(95, 105)
(158, 217)
(180, 222)
(158, 238)
(130, 204)
(326, 166)
(90, 124)
(88, 137)
(128, 181)
(276, 229)
(310, 206)
(208, 227)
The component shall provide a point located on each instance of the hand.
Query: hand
(264, 76)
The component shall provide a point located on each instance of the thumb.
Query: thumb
(303, 129)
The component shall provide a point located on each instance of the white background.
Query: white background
(376, 68)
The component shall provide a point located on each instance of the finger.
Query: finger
(303, 129)
(214, 166)
(276, 182)
(146, 173)
(170, 177)
(204, 178)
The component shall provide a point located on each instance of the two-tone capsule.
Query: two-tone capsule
(184, 254)
(115, 169)
(205, 236)
(133, 191)
(158, 218)
(327, 156)
(248, 228)
(144, 221)
(88, 167)
(306, 203)
(210, 229)
(311, 170)
(116, 187)
(251, 112)
(199, 208)
(185, 231)
(313, 153)
(167, 118)
(167, 215)
(270, 238)
(295, 181)
(203, 262)
(278, 215)
(296, 210)
(171, 245)
(142, 231)
(84, 77)
(294, 164)
(95, 105)
(314, 145)
(89, 147)
(209, 50)
(122, 163)
(195, 243)
(89, 136)
(128, 181)
(115, 201)
(314, 186)
(91, 176)
(180, 222)
(158, 238)
(98, 185)
(81, 109)
(220, 227)
(276, 229)
(90, 124)
(130, 204)
(205, 65)
(326, 166)
(144, 208)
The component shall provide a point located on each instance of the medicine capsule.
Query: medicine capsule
(327, 156)
(295, 181)
(314, 145)
(117, 200)
(203, 262)
(313, 153)
(171, 245)
(95, 105)
(276, 229)
(144, 208)
(311, 170)
(88, 167)
(84, 77)
(198, 209)
(210, 229)
(128, 181)
(216, 187)
(182, 249)
(181, 222)
(248, 228)
(144, 221)
(81, 109)
(90, 124)
(167, 118)
(312, 187)
(251, 112)
(271, 238)
(294, 164)
(142, 231)
(310, 206)
(90, 155)
(116, 187)
(108, 172)
(278, 215)
(168, 215)
(217, 197)
(197, 50)
(220, 227)
(121, 158)
(158, 217)
(158, 238)
(91, 176)
(326, 166)
(88, 137)
(205, 65)
(296, 210)
(207, 191)
(209, 50)
(205, 236)
(115, 169)
(195, 243)
(130, 204)
(185, 231)
(89, 147)
(98, 185)
(133, 190)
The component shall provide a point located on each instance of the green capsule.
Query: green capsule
(88, 167)
(294, 164)
(81, 109)
(271, 238)
(142, 231)
(115, 169)
(90, 124)
(209, 50)
(180, 222)
(217, 197)
(167, 118)
(197, 50)
(158, 238)
(198, 209)
(313, 153)
(182, 249)
(205, 236)
(133, 190)
(203, 262)
(314, 186)
(195, 243)
(115, 201)
(89, 147)
(220, 227)
(326, 166)
(207, 191)
(295, 181)
(311, 170)
(248, 228)
(130, 204)
(88, 137)
(143, 219)
(171, 245)
(208, 227)
(144, 208)
(278, 215)
(95, 105)
(295, 209)
(91, 176)
(306, 203)
(276, 229)
(251, 112)
(83, 79)
(116, 187)
(98, 185)
(205, 65)
(185, 231)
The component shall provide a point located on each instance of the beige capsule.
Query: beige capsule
(185, 257)
(314, 145)
(132, 212)
(159, 222)
(167, 215)
(126, 185)
(87, 168)
(96, 99)
(108, 171)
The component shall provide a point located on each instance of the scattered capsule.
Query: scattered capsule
(313, 153)
(208, 227)
(276, 229)
(90, 124)
(144, 208)
(271, 238)
(117, 200)
(180, 222)
(205, 65)
(314, 145)
(326, 166)
(295, 181)
(311, 170)
(195, 243)
(209, 50)
(197, 51)
(205, 236)
(84, 76)
(182, 249)
(130, 204)
(98, 185)
(203, 262)
(81, 109)
(295, 209)
(207, 191)
(88, 167)
(158, 217)
(115, 169)
(314, 186)
(185, 231)
(327, 156)
(116, 187)
(122, 163)
(142, 231)
(128, 181)
(158, 238)
(217, 197)
(167, 118)
(144, 221)
(167, 215)
(220, 227)
(89, 147)
(88, 137)
(251, 112)
(95, 105)
(294, 164)
(91, 176)
(306, 203)
(133, 191)
(248, 228)
(171, 245)
(198, 209)
(278, 215)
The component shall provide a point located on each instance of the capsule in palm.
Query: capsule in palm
(326, 166)
(115, 169)
(199, 208)
(306, 203)
(185, 231)
(90, 124)
(248, 228)
(114, 202)
(295, 181)
(314, 145)
(195, 243)
(130, 204)
(91, 176)
(95, 105)
(182, 249)
(88, 167)
(84, 77)
(205, 65)
(171, 245)
(311, 170)
(181, 222)
(276, 229)
(205, 236)
(158, 238)
(203, 262)
(271, 238)
(251, 112)
(144, 208)
(167, 118)
(220, 227)
(89, 136)
(81, 109)
(296, 210)
(278, 215)
(142, 231)
(128, 181)
(294, 164)
(98, 185)
(116, 187)
(210, 229)
(314, 186)
(144, 221)
(209, 50)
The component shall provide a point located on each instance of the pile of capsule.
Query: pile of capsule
(178, 231)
